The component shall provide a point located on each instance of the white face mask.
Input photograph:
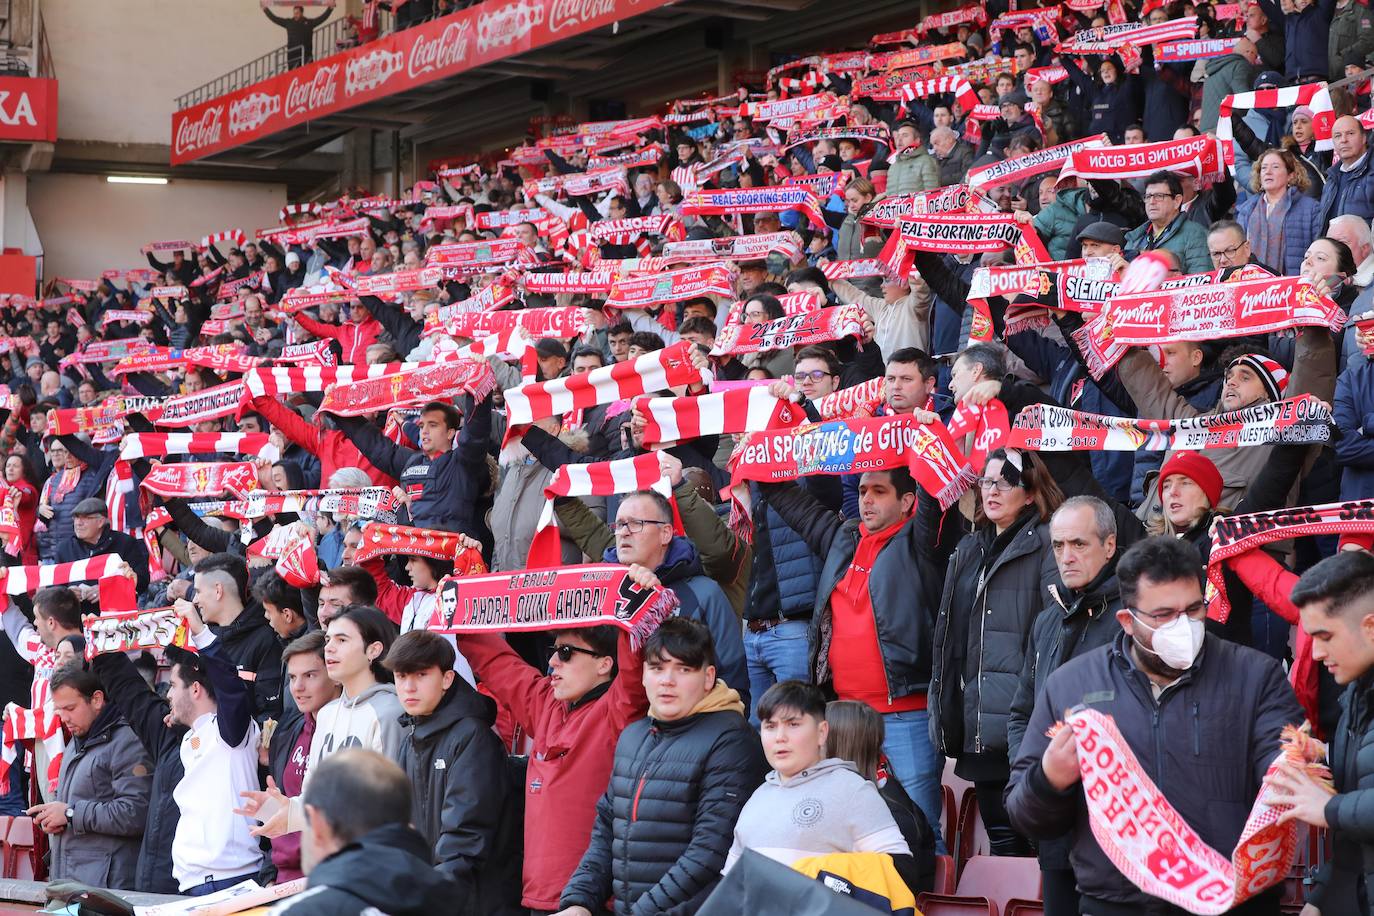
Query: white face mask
(1176, 643)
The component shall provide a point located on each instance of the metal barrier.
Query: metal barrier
(327, 39)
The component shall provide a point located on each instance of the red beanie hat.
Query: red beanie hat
(1196, 467)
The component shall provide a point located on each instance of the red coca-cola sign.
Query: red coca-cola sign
(28, 109)
(481, 34)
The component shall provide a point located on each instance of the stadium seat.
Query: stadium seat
(21, 858)
(956, 791)
(988, 885)
(972, 837)
(1018, 907)
(944, 875)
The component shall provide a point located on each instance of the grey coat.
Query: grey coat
(107, 778)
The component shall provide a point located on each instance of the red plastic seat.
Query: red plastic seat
(987, 885)
(1024, 908)
(972, 835)
(957, 792)
(21, 856)
(944, 875)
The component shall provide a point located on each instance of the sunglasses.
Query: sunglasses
(565, 652)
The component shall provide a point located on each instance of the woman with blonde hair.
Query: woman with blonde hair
(1281, 220)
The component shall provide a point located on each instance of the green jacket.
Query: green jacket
(1184, 237)
(725, 557)
(1055, 222)
(912, 171)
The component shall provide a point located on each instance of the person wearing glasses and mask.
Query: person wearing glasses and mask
(574, 714)
(997, 583)
(1203, 716)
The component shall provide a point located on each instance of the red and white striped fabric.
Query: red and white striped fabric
(291, 211)
(602, 478)
(666, 368)
(1314, 95)
(862, 267)
(115, 578)
(960, 87)
(40, 724)
(278, 381)
(155, 445)
(236, 236)
(739, 410)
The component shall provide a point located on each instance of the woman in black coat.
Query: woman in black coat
(996, 584)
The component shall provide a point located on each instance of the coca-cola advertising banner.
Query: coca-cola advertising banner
(478, 35)
(28, 109)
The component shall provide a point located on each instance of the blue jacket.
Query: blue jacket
(1305, 37)
(782, 581)
(1348, 192)
(1301, 225)
(702, 600)
(1353, 411)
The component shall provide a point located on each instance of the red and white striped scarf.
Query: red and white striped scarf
(798, 303)
(157, 445)
(849, 270)
(474, 256)
(561, 323)
(735, 248)
(435, 381)
(959, 87)
(754, 200)
(739, 410)
(291, 211)
(601, 478)
(226, 235)
(577, 281)
(1314, 95)
(1197, 156)
(40, 724)
(625, 231)
(666, 368)
(1109, 38)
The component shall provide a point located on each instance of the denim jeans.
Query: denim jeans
(917, 765)
(777, 654)
(15, 802)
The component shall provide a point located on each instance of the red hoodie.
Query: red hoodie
(355, 338)
(332, 447)
(570, 764)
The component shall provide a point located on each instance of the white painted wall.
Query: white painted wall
(122, 63)
(88, 225)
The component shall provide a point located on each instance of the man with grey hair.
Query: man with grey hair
(952, 155)
(1355, 232)
(1081, 617)
(357, 848)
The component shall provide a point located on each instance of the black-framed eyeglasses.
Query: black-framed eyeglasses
(634, 525)
(814, 375)
(1229, 252)
(565, 652)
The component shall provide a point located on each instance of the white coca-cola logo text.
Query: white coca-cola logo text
(507, 25)
(312, 96)
(251, 112)
(370, 71)
(450, 48)
(193, 135)
(564, 13)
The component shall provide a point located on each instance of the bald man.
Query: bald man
(1349, 184)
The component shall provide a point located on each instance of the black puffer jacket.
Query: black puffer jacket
(385, 870)
(902, 587)
(1343, 884)
(994, 588)
(1074, 623)
(1206, 743)
(463, 802)
(665, 824)
(254, 649)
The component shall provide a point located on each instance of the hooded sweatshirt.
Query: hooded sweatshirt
(823, 809)
(371, 720)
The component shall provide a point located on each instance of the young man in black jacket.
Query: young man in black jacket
(1203, 716)
(221, 595)
(1336, 601)
(678, 782)
(463, 795)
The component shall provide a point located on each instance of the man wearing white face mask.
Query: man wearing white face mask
(1203, 717)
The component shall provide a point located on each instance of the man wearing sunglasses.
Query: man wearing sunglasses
(1202, 715)
(574, 714)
